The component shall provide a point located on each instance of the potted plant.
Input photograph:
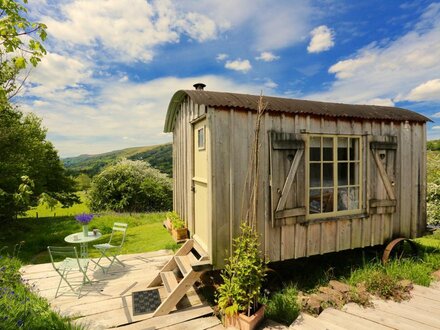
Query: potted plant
(176, 226)
(242, 276)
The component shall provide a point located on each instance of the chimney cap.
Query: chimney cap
(199, 86)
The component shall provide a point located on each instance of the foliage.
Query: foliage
(243, 274)
(145, 233)
(176, 221)
(30, 166)
(131, 186)
(83, 182)
(433, 145)
(433, 188)
(20, 307)
(283, 306)
(159, 157)
(20, 42)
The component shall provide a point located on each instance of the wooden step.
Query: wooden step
(347, 321)
(169, 281)
(203, 254)
(184, 264)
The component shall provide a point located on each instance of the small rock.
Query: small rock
(406, 285)
(436, 275)
(339, 286)
(314, 304)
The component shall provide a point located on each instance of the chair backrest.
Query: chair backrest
(119, 227)
(61, 252)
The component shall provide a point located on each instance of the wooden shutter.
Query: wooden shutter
(383, 165)
(287, 183)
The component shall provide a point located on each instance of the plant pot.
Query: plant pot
(243, 322)
(179, 234)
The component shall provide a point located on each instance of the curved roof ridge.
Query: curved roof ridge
(221, 100)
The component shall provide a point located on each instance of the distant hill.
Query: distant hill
(433, 145)
(159, 156)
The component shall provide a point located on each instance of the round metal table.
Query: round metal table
(78, 238)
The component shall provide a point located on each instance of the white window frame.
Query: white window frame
(201, 132)
(335, 187)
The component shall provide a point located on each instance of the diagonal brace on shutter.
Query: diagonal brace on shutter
(288, 184)
(383, 174)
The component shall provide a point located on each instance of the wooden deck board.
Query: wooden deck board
(420, 312)
(108, 301)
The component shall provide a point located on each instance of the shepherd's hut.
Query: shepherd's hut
(332, 176)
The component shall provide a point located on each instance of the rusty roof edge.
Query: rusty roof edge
(204, 97)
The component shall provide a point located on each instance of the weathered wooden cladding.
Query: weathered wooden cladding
(392, 170)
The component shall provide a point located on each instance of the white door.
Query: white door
(200, 185)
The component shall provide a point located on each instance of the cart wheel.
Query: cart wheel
(399, 247)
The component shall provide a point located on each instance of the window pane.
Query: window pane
(353, 198)
(327, 148)
(315, 175)
(315, 201)
(327, 200)
(354, 174)
(354, 149)
(342, 199)
(342, 148)
(327, 172)
(315, 148)
(342, 174)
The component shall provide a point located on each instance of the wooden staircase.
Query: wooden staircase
(179, 274)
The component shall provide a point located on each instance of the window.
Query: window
(334, 175)
(201, 138)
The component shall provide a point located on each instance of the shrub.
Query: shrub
(131, 186)
(176, 221)
(20, 307)
(243, 275)
(283, 306)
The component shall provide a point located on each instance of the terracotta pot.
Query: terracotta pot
(244, 322)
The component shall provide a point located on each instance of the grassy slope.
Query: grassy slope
(145, 233)
(158, 156)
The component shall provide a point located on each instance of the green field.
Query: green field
(145, 231)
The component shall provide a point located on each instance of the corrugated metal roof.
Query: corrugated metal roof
(225, 100)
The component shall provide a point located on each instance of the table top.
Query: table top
(79, 237)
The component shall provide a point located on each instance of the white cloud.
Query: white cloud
(239, 65)
(322, 39)
(270, 84)
(392, 68)
(267, 57)
(266, 24)
(435, 127)
(120, 114)
(129, 32)
(221, 57)
(428, 91)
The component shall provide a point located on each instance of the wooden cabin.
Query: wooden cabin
(332, 176)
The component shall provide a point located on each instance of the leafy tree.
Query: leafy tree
(30, 169)
(131, 186)
(19, 45)
(29, 165)
(83, 181)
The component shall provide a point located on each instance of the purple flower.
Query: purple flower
(84, 218)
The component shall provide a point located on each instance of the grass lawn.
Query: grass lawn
(44, 211)
(145, 233)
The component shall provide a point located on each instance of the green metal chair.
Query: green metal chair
(111, 250)
(70, 263)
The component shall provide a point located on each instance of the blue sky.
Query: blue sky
(112, 66)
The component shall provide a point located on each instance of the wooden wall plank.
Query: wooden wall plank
(405, 180)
